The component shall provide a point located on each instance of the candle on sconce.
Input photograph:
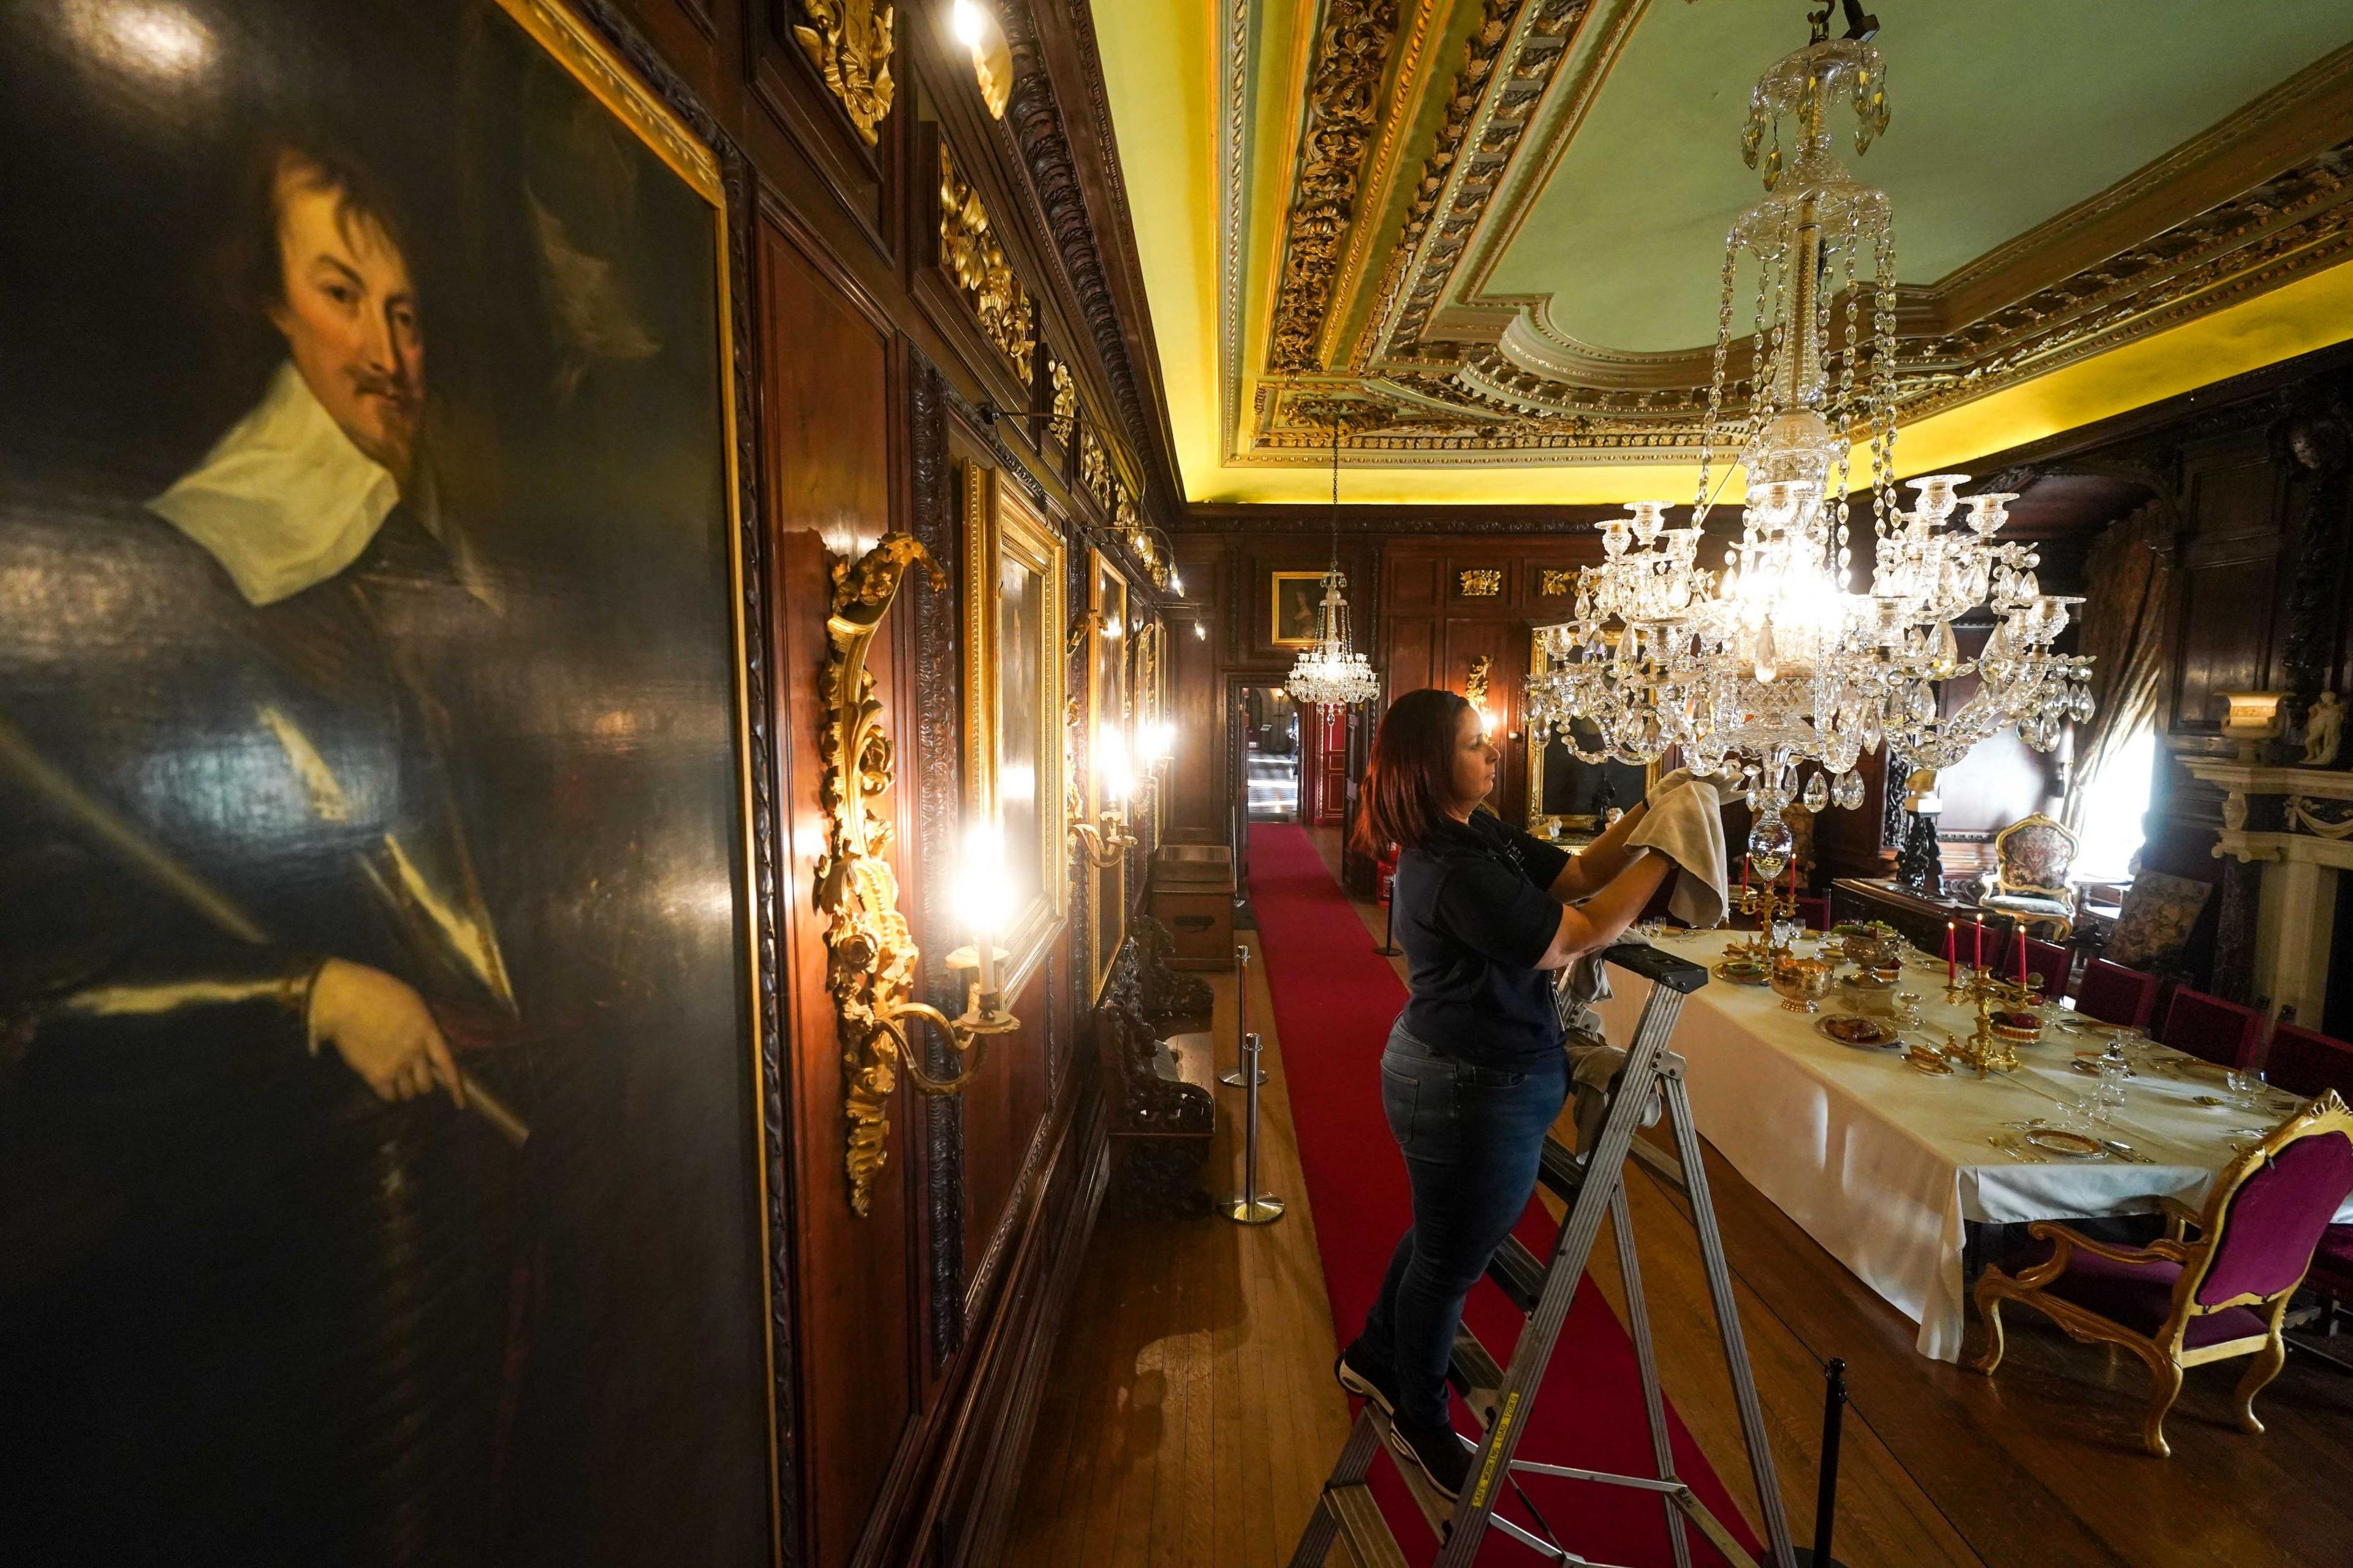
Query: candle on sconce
(1977, 949)
(1952, 956)
(980, 899)
(1110, 760)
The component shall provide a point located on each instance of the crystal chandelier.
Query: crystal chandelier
(1330, 672)
(1776, 662)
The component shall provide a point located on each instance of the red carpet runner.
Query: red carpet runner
(1335, 1000)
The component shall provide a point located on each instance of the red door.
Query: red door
(1323, 767)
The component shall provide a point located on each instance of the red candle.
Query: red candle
(2020, 939)
(1949, 976)
(1744, 878)
(1977, 952)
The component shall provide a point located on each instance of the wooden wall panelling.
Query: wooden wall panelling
(828, 477)
(2236, 495)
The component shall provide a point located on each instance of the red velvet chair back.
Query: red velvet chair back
(2273, 1221)
(2305, 1063)
(2047, 958)
(1815, 913)
(2217, 1031)
(2116, 995)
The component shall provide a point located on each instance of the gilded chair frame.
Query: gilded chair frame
(2163, 1353)
(2062, 894)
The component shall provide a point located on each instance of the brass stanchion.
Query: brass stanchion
(1251, 1206)
(1233, 1079)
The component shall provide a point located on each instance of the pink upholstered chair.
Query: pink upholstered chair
(1815, 913)
(2214, 1030)
(2115, 995)
(2220, 1293)
(2309, 1064)
(2046, 959)
(2305, 1063)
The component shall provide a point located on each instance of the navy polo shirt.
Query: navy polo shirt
(1473, 915)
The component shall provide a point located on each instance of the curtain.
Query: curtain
(2127, 614)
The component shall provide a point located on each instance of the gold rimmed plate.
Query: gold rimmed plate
(2066, 1145)
(1742, 971)
(1850, 1029)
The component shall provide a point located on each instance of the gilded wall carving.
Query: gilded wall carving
(983, 275)
(849, 42)
(1482, 583)
(1066, 403)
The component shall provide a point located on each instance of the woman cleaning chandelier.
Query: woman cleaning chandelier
(1777, 662)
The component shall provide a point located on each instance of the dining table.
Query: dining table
(1885, 1164)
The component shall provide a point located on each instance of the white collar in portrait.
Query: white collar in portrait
(284, 500)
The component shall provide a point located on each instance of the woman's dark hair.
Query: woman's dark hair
(1409, 780)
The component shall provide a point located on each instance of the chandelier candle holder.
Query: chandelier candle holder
(1330, 671)
(1776, 672)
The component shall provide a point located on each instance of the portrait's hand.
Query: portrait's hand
(382, 1030)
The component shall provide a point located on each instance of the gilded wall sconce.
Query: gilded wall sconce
(872, 954)
(1104, 840)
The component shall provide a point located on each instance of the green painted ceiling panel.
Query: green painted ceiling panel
(2006, 112)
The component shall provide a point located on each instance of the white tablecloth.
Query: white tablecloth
(1881, 1163)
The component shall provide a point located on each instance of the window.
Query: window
(2114, 805)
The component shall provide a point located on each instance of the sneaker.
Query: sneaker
(1360, 1374)
(1438, 1452)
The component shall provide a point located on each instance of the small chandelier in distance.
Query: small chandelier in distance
(1330, 671)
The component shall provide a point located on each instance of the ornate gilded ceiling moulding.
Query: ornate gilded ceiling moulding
(870, 950)
(1352, 56)
(1034, 116)
(1497, 91)
(983, 275)
(848, 43)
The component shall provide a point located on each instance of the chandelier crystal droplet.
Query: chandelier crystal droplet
(1775, 666)
(1330, 671)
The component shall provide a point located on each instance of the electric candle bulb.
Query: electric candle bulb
(980, 896)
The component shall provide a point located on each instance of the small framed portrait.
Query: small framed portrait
(1013, 705)
(1296, 595)
(1107, 738)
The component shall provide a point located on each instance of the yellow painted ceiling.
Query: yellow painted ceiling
(2042, 151)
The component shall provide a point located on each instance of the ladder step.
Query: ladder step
(1477, 1376)
(1518, 1273)
(1559, 1171)
(1367, 1531)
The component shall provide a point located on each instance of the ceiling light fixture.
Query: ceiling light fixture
(1777, 662)
(1330, 671)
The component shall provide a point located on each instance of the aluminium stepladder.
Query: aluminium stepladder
(1501, 1397)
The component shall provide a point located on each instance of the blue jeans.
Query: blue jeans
(1470, 1136)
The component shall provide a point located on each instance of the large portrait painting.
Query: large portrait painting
(380, 1173)
(1013, 707)
(1111, 749)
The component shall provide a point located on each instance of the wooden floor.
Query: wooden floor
(1193, 1416)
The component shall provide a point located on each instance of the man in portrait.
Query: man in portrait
(245, 909)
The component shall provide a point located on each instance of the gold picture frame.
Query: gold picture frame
(1107, 712)
(1558, 825)
(1288, 592)
(1015, 564)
